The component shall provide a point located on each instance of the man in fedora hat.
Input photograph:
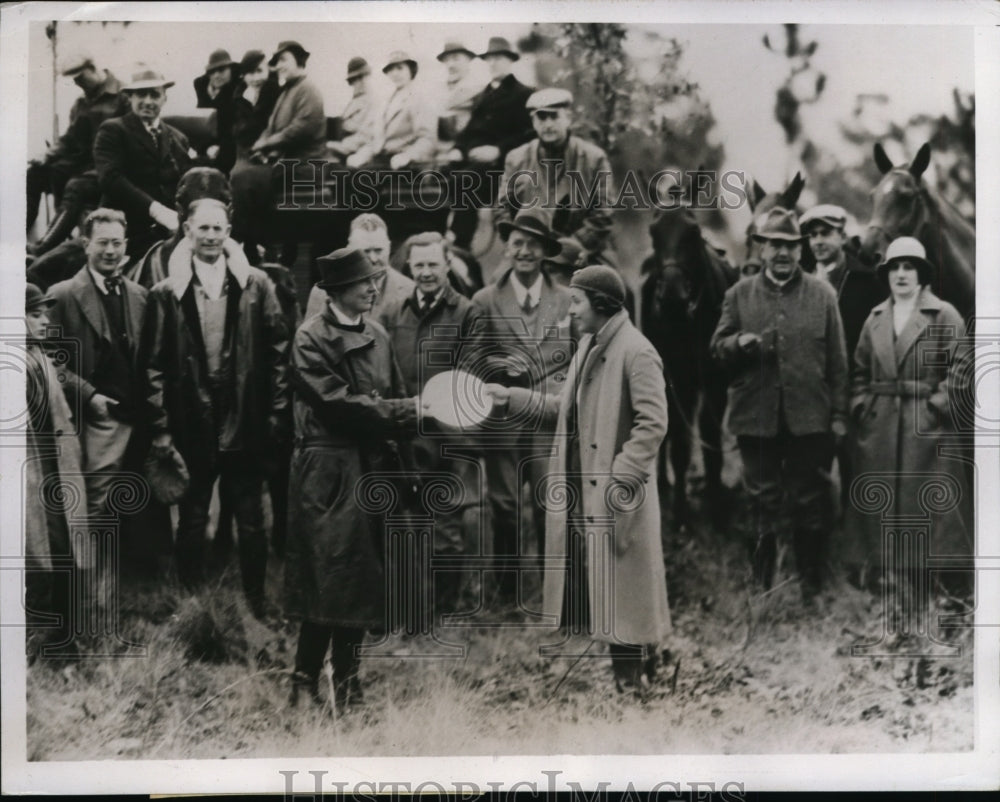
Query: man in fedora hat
(358, 118)
(214, 90)
(565, 174)
(215, 354)
(858, 292)
(67, 171)
(498, 123)
(781, 338)
(139, 159)
(461, 87)
(526, 342)
(350, 405)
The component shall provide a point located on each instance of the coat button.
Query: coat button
(59, 432)
(559, 377)
(593, 445)
(593, 483)
(590, 519)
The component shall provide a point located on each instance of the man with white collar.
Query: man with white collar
(217, 387)
(781, 338)
(103, 311)
(526, 342)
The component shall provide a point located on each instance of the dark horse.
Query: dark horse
(683, 284)
(904, 206)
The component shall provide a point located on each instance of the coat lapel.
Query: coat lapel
(883, 342)
(86, 296)
(141, 134)
(133, 313)
(927, 309)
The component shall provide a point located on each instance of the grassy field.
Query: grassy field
(746, 673)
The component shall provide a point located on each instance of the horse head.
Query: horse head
(686, 277)
(899, 203)
(761, 203)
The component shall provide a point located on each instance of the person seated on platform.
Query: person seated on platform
(404, 131)
(67, 170)
(358, 118)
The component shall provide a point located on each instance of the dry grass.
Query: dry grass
(756, 674)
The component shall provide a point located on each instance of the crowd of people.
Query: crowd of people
(190, 361)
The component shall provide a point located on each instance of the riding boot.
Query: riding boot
(57, 232)
(627, 664)
(763, 557)
(313, 642)
(346, 685)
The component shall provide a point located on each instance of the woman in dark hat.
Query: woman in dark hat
(610, 419)
(404, 132)
(349, 407)
(358, 119)
(903, 384)
(254, 96)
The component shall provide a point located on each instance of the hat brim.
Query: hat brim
(233, 65)
(351, 76)
(330, 285)
(444, 53)
(408, 61)
(508, 53)
(135, 87)
(826, 221)
(782, 237)
(273, 61)
(74, 71)
(925, 270)
(551, 244)
(46, 301)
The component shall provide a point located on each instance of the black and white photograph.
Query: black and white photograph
(480, 395)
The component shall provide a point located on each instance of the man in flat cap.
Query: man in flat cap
(858, 292)
(358, 118)
(781, 338)
(526, 342)
(67, 170)
(139, 161)
(566, 175)
(215, 347)
(498, 122)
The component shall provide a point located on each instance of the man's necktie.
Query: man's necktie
(527, 306)
(426, 302)
(113, 283)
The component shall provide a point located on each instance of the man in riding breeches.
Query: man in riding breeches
(782, 340)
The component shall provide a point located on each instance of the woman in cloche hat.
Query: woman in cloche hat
(907, 377)
(610, 420)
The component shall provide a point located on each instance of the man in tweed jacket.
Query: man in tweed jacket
(781, 337)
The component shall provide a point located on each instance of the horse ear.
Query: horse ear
(791, 194)
(920, 163)
(881, 160)
(758, 194)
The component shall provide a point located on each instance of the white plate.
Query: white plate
(457, 399)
